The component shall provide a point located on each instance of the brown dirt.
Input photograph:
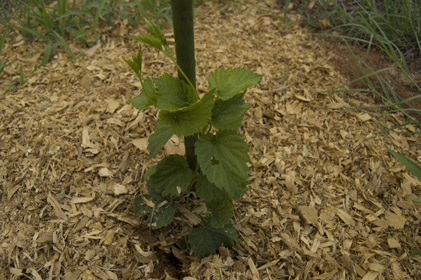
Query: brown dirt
(344, 61)
(325, 199)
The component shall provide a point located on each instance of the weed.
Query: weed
(220, 173)
(414, 168)
(5, 63)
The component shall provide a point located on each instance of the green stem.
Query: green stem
(182, 11)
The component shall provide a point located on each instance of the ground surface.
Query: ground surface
(325, 200)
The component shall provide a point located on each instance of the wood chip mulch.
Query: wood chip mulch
(325, 199)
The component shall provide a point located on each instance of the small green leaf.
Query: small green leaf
(412, 166)
(161, 133)
(164, 215)
(222, 211)
(159, 209)
(417, 199)
(189, 120)
(228, 114)
(140, 207)
(172, 175)
(146, 97)
(206, 241)
(136, 62)
(156, 31)
(174, 94)
(230, 81)
(223, 159)
(149, 40)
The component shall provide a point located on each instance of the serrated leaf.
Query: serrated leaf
(162, 132)
(146, 97)
(151, 170)
(230, 81)
(171, 173)
(140, 102)
(208, 191)
(223, 159)
(156, 31)
(222, 211)
(189, 120)
(140, 207)
(164, 215)
(174, 94)
(412, 166)
(159, 209)
(149, 40)
(228, 114)
(136, 62)
(206, 241)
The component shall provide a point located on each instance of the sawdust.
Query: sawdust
(325, 199)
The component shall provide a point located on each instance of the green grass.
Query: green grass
(393, 27)
(58, 23)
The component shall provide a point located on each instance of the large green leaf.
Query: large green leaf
(228, 114)
(217, 200)
(223, 159)
(230, 81)
(146, 97)
(173, 94)
(222, 211)
(189, 120)
(208, 191)
(206, 241)
(412, 166)
(172, 175)
(161, 133)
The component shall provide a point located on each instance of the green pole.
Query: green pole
(182, 14)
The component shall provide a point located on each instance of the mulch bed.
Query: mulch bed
(325, 199)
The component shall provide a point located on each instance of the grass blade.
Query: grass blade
(412, 166)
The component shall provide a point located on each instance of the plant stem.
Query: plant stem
(182, 11)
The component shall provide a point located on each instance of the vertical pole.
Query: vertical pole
(182, 13)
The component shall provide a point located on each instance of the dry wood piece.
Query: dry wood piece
(325, 199)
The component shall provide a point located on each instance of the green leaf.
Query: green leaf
(159, 209)
(228, 114)
(140, 207)
(189, 120)
(172, 175)
(164, 215)
(206, 240)
(230, 81)
(417, 199)
(174, 94)
(156, 32)
(412, 166)
(149, 40)
(223, 159)
(222, 211)
(136, 62)
(161, 133)
(146, 97)
(208, 191)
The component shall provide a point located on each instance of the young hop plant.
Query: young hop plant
(220, 174)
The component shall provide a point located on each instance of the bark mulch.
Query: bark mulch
(325, 199)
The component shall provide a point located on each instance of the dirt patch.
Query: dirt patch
(344, 61)
(325, 199)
